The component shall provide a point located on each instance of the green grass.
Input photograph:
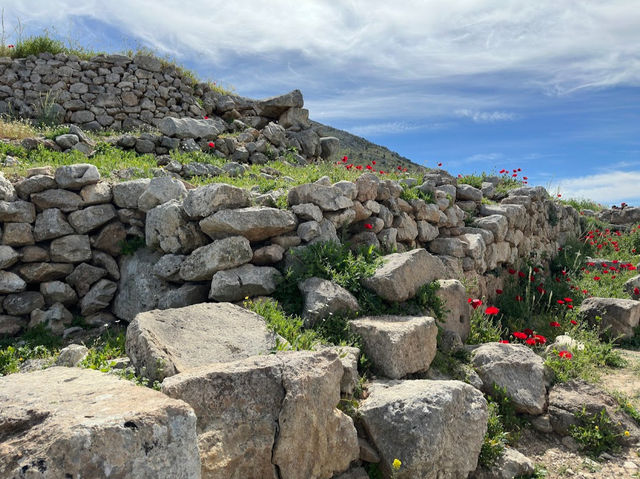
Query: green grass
(595, 433)
(580, 204)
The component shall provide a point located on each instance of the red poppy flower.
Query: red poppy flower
(521, 274)
(596, 278)
(528, 332)
(554, 324)
(368, 226)
(559, 195)
(503, 171)
(514, 175)
(498, 291)
(574, 322)
(381, 172)
(540, 289)
(569, 306)
(345, 158)
(206, 117)
(491, 310)
(530, 341)
(512, 271)
(568, 300)
(504, 341)
(540, 339)
(536, 270)
(518, 298)
(565, 354)
(560, 301)
(373, 162)
(525, 178)
(212, 144)
(400, 167)
(636, 291)
(439, 164)
(368, 167)
(519, 335)
(10, 46)
(359, 167)
(475, 303)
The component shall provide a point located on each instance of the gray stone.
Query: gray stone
(39, 272)
(266, 255)
(328, 198)
(402, 274)
(330, 146)
(447, 247)
(127, 193)
(185, 295)
(84, 276)
(18, 234)
(254, 223)
(10, 325)
(468, 193)
(192, 128)
(497, 224)
(66, 141)
(56, 318)
(96, 194)
(257, 409)
(34, 254)
(222, 254)
(8, 257)
(510, 464)
(427, 232)
(161, 190)
(34, 184)
(168, 267)
(71, 249)
(148, 62)
(65, 201)
(322, 298)
(17, 212)
(125, 430)
(58, 292)
(206, 200)
(111, 238)
(398, 345)
(168, 228)
(435, 428)
(74, 177)
(307, 211)
(620, 316)
(516, 368)
(245, 281)
(98, 297)
(7, 190)
(406, 227)
(275, 106)
(20, 304)
(162, 343)
(72, 355)
(92, 217)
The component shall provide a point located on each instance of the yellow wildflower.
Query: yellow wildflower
(396, 464)
(626, 433)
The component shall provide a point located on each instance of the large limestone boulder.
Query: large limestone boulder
(269, 416)
(275, 106)
(88, 219)
(435, 428)
(398, 345)
(516, 368)
(206, 200)
(51, 224)
(17, 212)
(72, 422)
(620, 315)
(247, 280)
(323, 298)
(191, 127)
(161, 190)
(222, 254)
(402, 274)
(457, 316)
(162, 343)
(255, 223)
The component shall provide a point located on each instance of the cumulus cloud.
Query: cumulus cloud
(611, 187)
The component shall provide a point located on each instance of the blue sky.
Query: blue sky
(552, 87)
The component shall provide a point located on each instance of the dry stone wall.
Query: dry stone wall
(63, 232)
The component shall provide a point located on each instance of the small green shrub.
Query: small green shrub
(485, 328)
(413, 193)
(495, 439)
(595, 433)
(131, 245)
(103, 350)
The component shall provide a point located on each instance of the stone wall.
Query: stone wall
(107, 91)
(63, 233)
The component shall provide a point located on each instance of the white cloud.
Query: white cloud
(486, 116)
(389, 128)
(483, 157)
(612, 187)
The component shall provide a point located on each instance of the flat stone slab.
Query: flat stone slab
(270, 416)
(622, 316)
(162, 343)
(70, 422)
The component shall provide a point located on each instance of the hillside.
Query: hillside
(362, 151)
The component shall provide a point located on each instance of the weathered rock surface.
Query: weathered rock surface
(252, 414)
(255, 223)
(246, 280)
(621, 316)
(509, 465)
(457, 317)
(162, 343)
(516, 368)
(398, 345)
(74, 177)
(402, 274)
(88, 219)
(206, 200)
(168, 228)
(435, 428)
(323, 298)
(72, 422)
(328, 198)
(191, 128)
(222, 254)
